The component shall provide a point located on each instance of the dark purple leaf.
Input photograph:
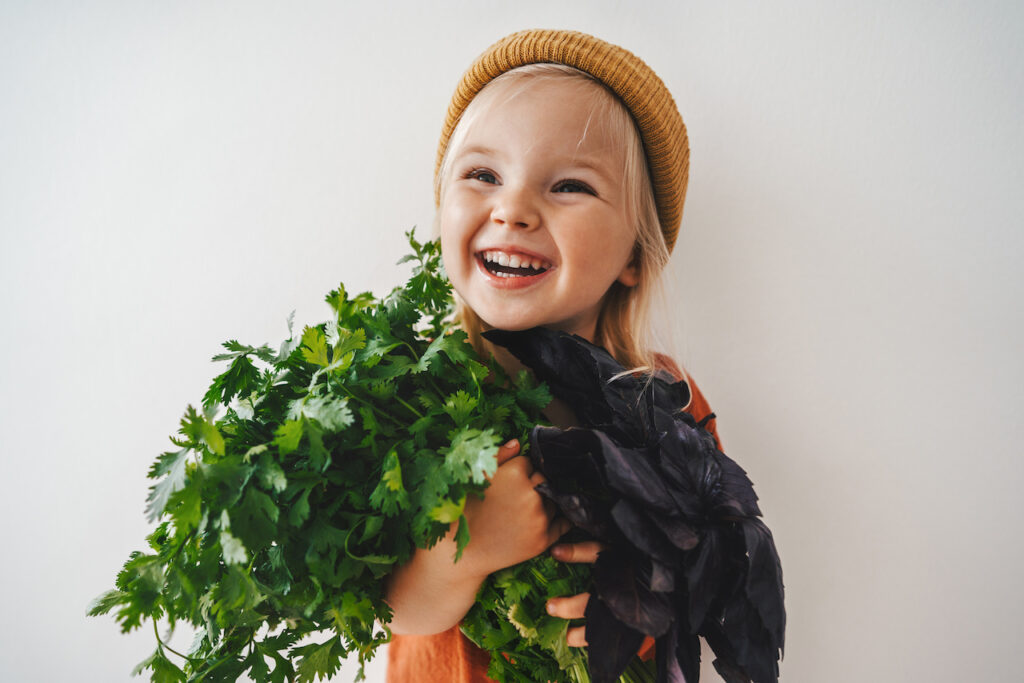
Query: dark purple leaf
(568, 458)
(620, 584)
(764, 582)
(668, 665)
(703, 568)
(630, 472)
(663, 577)
(681, 534)
(725, 659)
(678, 656)
(579, 510)
(641, 532)
(610, 643)
(737, 492)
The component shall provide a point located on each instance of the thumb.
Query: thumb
(508, 451)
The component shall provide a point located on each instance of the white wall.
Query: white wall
(176, 174)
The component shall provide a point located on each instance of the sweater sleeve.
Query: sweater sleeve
(450, 657)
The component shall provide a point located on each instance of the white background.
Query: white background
(846, 290)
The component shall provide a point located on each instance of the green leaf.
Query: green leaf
(102, 604)
(271, 474)
(319, 661)
(331, 412)
(524, 623)
(236, 349)
(287, 436)
(185, 507)
(460, 406)
(551, 636)
(241, 378)
(349, 340)
(164, 671)
(531, 393)
(461, 537)
(472, 456)
(299, 512)
(448, 510)
(172, 467)
(314, 347)
(200, 430)
(232, 548)
(390, 496)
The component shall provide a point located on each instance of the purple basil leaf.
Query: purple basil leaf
(579, 510)
(764, 582)
(631, 473)
(569, 458)
(750, 640)
(725, 658)
(668, 665)
(663, 577)
(681, 534)
(677, 466)
(641, 532)
(730, 671)
(703, 568)
(610, 643)
(678, 656)
(737, 490)
(619, 583)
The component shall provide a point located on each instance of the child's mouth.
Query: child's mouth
(504, 265)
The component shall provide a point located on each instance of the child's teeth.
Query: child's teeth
(513, 261)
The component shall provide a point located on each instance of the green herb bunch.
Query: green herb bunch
(311, 471)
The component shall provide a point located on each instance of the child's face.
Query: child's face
(534, 227)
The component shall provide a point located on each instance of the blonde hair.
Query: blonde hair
(624, 322)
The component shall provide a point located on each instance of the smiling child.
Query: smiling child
(560, 184)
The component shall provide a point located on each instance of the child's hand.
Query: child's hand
(574, 606)
(512, 523)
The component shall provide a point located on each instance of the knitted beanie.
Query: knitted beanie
(637, 86)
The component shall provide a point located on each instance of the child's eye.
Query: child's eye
(483, 175)
(573, 186)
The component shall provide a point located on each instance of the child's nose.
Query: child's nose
(516, 207)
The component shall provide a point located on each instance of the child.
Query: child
(561, 176)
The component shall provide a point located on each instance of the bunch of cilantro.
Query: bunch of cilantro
(311, 472)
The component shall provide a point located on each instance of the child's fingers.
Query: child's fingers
(585, 551)
(577, 636)
(508, 451)
(571, 607)
(559, 527)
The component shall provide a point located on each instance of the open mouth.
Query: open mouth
(502, 264)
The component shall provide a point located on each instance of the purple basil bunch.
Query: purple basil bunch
(686, 555)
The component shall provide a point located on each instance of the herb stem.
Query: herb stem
(165, 646)
(413, 410)
(368, 405)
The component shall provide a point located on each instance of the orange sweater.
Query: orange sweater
(450, 657)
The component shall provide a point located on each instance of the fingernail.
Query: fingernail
(558, 552)
(512, 443)
(550, 608)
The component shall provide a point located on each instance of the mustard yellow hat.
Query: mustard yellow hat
(641, 91)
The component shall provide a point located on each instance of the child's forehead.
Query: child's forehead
(580, 107)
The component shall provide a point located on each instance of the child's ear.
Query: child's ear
(630, 275)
